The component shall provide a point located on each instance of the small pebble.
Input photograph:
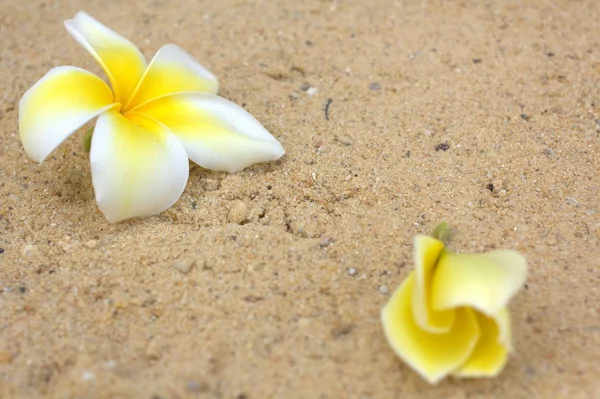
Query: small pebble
(153, 352)
(311, 91)
(442, 147)
(29, 249)
(110, 364)
(238, 212)
(194, 386)
(347, 141)
(91, 244)
(88, 376)
(549, 152)
(374, 86)
(325, 242)
(572, 201)
(253, 298)
(184, 265)
(351, 271)
(383, 289)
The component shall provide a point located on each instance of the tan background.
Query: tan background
(94, 310)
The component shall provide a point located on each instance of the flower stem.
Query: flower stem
(442, 232)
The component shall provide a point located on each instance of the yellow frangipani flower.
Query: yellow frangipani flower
(151, 119)
(450, 315)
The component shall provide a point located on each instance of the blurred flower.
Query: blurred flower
(151, 119)
(450, 315)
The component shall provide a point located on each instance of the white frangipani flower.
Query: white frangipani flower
(151, 119)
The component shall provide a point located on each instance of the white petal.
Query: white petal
(172, 70)
(217, 134)
(61, 102)
(122, 61)
(139, 168)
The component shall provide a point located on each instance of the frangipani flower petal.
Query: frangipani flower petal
(485, 282)
(433, 356)
(490, 355)
(427, 252)
(172, 70)
(123, 63)
(61, 102)
(216, 133)
(502, 319)
(139, 168)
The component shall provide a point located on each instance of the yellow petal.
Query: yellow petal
(172, 70)
(123, 63)
(57, 105)
(502, 319)
(427, 252)
(433, 356)
(139, 168)
(216, 133)
(490, 355)
(485, 282)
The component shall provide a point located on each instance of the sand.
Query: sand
(395, 116)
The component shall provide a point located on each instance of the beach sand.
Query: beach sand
(395, 116)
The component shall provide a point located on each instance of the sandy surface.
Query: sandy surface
(482, 114)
